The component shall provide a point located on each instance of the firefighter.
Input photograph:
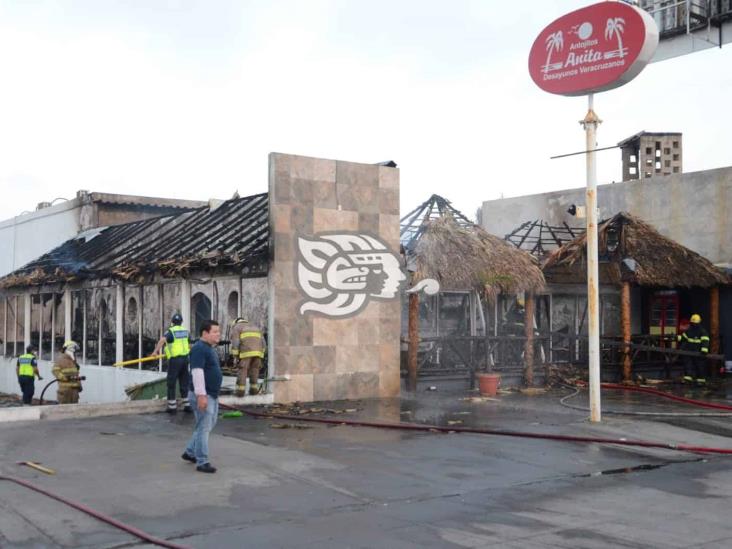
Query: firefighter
(27, 370)
(695, 339)
(66, 370)
(177, 348)
(247, 347)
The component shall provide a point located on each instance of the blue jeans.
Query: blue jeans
(205, 421)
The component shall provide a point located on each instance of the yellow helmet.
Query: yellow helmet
(70, 343)
(695, 319)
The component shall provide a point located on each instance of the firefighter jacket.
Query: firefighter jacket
(695, 339)
(246, 341)
(66, 370)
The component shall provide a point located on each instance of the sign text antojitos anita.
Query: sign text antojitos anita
(593, 49)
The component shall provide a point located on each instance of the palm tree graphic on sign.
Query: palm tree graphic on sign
(615, 27)
(555, 41)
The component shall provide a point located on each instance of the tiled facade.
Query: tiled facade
(327, 358)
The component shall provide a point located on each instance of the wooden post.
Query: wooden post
(714, 319)
(529, 345)
(625, 321)
(413, 342)
(714, 326)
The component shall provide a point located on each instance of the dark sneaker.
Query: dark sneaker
(188, 457)
(206, 468)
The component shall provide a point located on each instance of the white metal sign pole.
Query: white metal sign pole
(590, 124)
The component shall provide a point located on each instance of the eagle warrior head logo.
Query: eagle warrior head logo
(340, 273)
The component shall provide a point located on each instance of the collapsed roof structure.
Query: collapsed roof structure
(168, 246)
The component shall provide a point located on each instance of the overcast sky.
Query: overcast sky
(185, 98)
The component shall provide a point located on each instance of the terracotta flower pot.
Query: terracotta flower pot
(488, 384)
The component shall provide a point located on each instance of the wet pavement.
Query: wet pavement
(290, 483)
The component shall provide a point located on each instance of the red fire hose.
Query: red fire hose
(97, 515)
(496, 432)
(663, 394)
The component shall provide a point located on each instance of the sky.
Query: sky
(186, 98)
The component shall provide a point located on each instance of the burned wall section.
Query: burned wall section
(330, 358)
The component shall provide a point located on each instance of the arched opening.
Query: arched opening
(200, 311)
(102, 334)
(131, 331)
(232, 305)
(132, 311)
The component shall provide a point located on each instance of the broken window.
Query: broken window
(427, 315)
(132, 328)
(454, 313)
(232, 306)
(610, 314)
(59, 326)
(20, 325)
(78, 320)
(95, 332)
(48, 324)
(152, 323)
(200, 311)
(171, 305)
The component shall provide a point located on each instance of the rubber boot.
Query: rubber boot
(254, 389)
(241, 390)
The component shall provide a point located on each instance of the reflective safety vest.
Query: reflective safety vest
(26, 365)
(701, 343)
(180, 345)
(251, 344)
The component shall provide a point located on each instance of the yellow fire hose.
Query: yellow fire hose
(136, 360)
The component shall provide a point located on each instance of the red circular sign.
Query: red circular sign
(593, 49)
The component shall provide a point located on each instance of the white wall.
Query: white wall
(690, 208)
(103, 383)
(27, 237)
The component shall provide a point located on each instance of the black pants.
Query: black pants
(28, 387)
(177, 372)
(695, 364)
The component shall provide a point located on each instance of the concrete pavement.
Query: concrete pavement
(320, 486)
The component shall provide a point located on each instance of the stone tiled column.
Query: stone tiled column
(330, 358)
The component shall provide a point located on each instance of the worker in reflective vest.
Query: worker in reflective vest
(27, 370)
(247, 346)
(66, 371)
(695, 339)
(177, 348)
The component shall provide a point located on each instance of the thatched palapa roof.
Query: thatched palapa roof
(651, 259)
(467, 257)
